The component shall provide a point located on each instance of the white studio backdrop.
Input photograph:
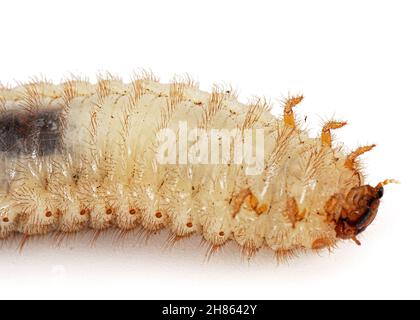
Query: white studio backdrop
(353, 60)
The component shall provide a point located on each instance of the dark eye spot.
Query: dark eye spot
(380, 193)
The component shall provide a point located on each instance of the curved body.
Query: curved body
(79, 155)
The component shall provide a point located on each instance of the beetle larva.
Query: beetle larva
(151, 156)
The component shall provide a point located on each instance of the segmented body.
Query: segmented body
(80, 155)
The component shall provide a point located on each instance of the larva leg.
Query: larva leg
(249, 226)
(326, 138)
(351, 158)
(292, 212)
(255, 204)
(289, 104)
(239, 199)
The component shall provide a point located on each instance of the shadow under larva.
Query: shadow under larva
(145, 156)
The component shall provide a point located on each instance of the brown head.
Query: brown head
(354, 212)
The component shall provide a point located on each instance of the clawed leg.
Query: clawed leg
(351, 158)
(326, 131)
(289, 104)
(251, 200)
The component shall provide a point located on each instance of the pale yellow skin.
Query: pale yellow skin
(109, 165)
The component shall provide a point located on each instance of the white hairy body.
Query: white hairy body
(107, 174)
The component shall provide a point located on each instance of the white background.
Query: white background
(355, 60)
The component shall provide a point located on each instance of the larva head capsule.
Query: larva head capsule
(354, 212)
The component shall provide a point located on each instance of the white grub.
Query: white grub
(105, 173)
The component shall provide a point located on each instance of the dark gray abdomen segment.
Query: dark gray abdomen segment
(30, 132)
